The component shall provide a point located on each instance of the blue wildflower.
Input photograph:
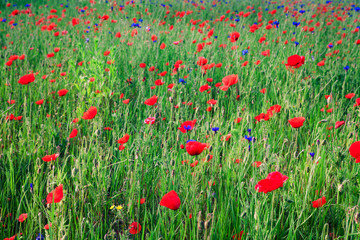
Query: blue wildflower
(187, 128)
(249, 138)
(40, 237)
(182, 81)
(215, 129)
(296, 24)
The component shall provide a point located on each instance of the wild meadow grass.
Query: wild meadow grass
(103, 185)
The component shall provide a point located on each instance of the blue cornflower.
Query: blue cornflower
(346, 68)
(244, 52)
(182, 81)
(249, 138)
(40, 237)
(187, 128)
(190, 141)
(296, 24)
(330, 45)
(296, 43)
(312, 154)
(135, 25)
(276, 23)
(215, 129)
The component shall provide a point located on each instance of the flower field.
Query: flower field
(171, 119)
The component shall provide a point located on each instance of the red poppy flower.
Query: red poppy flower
(350, 95)
(357, 102)
(272, 182)
(339, 124)
(39, 102)
(295, 61)
(162, 73)
(321, 63)
(238, 120)
(266, 53)
(62, 92)
(234, 36)
(106, 53)
(275, 108)
(90, 114)
(142, 65)
(229, 81)
(195, 148)
(151, 101)
(73, 133)
(238, 236)
(159, 82)
(56, 195)
(319, 203)
(150, 120)
(22, 217)
(204, 88)
(26, 79)
(355, 151)
(135, 228)
(263, 91)
(256, 164)
(124, 139)
(49, 158)
(142, 201)
(171, 200)
(162, 46)
(297, 122)
(47, 226)
(201, 61)
(187, 126)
